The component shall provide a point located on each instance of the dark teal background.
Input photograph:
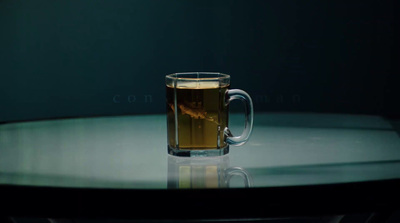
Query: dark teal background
(85, 58)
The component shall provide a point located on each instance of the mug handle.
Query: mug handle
(233, 94)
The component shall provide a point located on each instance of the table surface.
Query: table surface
(285, 149)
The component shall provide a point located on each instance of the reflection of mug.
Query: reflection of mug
(197, 114)
(203, 172)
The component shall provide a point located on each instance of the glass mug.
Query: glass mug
(197, 114)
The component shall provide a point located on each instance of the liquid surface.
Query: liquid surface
(198, 85)
(198, 118)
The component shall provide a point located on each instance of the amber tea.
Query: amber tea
(200, 114)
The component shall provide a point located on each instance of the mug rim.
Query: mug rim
(186, 76)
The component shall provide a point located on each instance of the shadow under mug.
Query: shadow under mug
(197, 114)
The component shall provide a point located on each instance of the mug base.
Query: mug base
(198, 152)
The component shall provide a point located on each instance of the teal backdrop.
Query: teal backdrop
(106, 57)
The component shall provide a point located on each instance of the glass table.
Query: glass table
(295, 164)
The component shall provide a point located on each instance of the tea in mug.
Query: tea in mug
(197, 115)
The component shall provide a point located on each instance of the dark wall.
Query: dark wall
(83, 58)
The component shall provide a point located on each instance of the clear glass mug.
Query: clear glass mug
(197, 114)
